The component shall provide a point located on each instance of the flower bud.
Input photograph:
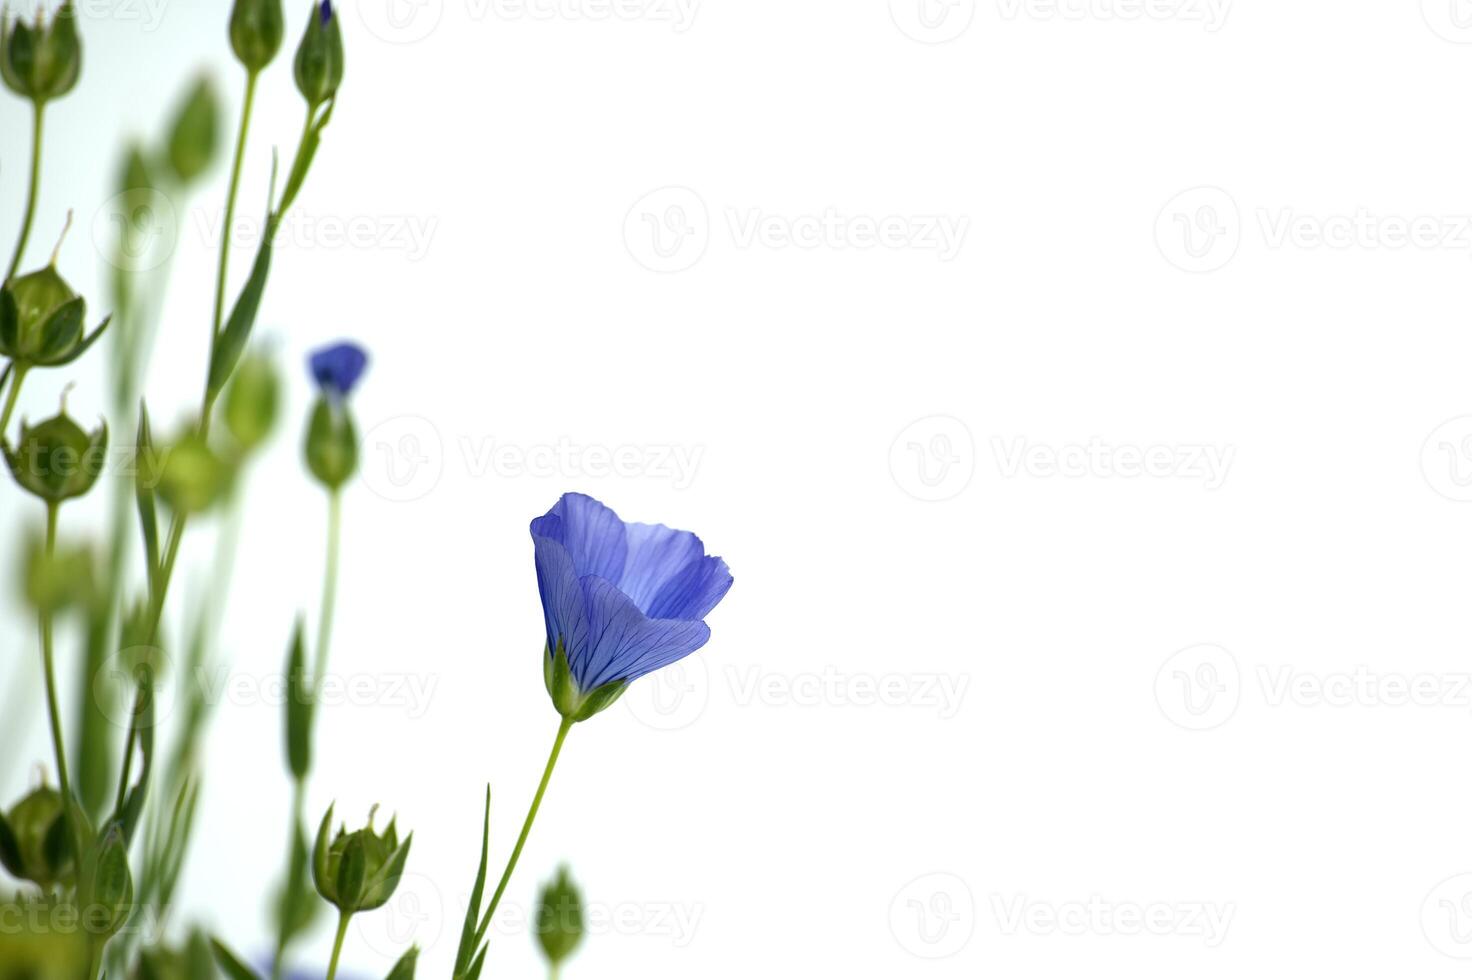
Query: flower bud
(195, 136)
(41, 319)
(106, 886)
(253, 401)
(57, 460)
(559, 918)
(358, 872)
(191, 476)
(41, 62)
(572, 702)
(59, 580)
(319, 59)
(35, 844)
(256, 31)
(404, 968)
(332, 444)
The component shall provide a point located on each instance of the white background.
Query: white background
(1236, 232)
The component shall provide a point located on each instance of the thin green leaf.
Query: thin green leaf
(230, 963)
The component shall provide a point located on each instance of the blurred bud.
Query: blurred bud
(560, 918)
(253, 400)
(195, 136)
(57, 460)
(57, 581)
(191, 476)
(332, 444)
(256, 30)
(37, 61)
(192, 961)
(41, 318)
(319, 59)
(107, 886)
(35, 844)
(298, 708)
(135, 175)
(358, 872)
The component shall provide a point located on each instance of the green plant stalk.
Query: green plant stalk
(48, 660)
(526, 828)
(342, 931)
(11, 398)
(38, 116)
(240, 141)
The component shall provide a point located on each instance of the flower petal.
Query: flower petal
(623, 643)
(592, 534)
(656, 556)
(694, 592)
(562, 597)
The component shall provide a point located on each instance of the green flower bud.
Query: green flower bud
(35, 844)
(191, 476)
(39, 62)
(319, 59)
(560, 918)
(332, 443)
(58, 459)
(57, 581)
(358, 872)
(41, 319)
(107, 887)
(404, 968)
(256, 31)
(253, 401)
(570, 702)
(195, 135)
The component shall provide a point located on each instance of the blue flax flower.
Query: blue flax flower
(620, 600)
(338, 368)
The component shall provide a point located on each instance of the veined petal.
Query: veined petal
(623, 643)
(694, 592)
(562, 596)
(592, 534)
(656, 556)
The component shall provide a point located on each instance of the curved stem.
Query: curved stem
(38, 116)
(342, 931)
(10, 399)
(48, 662)
(526, 828)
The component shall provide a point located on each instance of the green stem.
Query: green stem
(10, 399)
(342, 931)
(37, 126)
(240, 139)
(556, 972)
(526, 828)
(48, 661)
(329, 584)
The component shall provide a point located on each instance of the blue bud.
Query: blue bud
(337, 369)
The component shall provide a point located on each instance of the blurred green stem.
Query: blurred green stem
(38, 117)
(245, 113)
(342, 931)
(526, 828)
(48, 660)
(329, 585)
(19, 375)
